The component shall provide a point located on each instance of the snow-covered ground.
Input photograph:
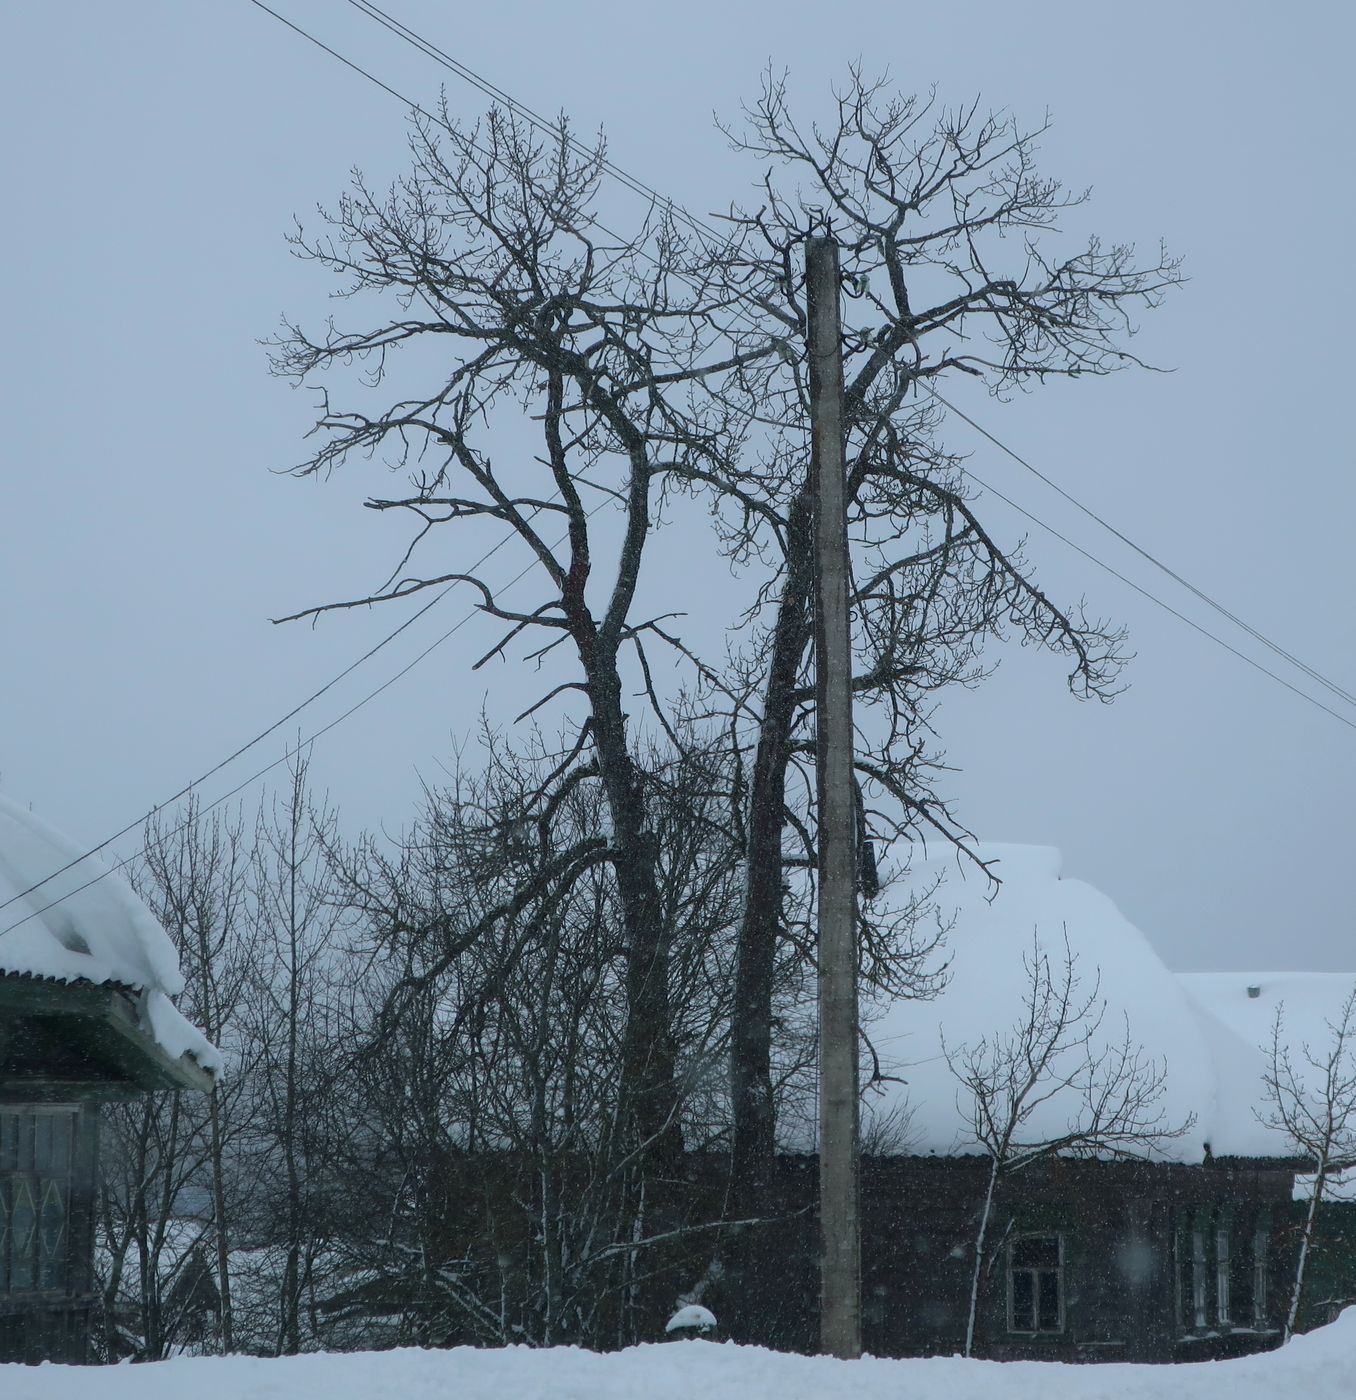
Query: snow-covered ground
(1321, 1366)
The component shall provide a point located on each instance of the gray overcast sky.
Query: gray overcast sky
(156, 153)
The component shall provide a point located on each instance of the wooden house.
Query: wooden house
(86, 977)
(1178, 1246)
(1089, 1261)
(1164, 1246)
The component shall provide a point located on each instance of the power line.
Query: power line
(414, 106)
(334, 53)
(287, 755)
(482, 84)
(373, 11)
(1247, 627)
(1154, 598)
(541, 123)
(291, 714)
(296, 710)
(535, 119)
(263, 734)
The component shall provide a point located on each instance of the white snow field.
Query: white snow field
(1320, 1366)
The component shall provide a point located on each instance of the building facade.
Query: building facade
(85, 1018)
(1084, 1260)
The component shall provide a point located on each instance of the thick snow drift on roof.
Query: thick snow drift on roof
(1213, 1073)
(1247, 1003)
(100, 934)
(1243, 1005)
(1318, 1367)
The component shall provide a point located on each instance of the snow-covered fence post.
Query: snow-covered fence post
(691, 1321)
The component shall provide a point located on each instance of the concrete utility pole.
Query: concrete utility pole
(840, 1326)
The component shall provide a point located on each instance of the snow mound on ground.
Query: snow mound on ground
(693, 1316)
(1318, 1366)
(86, 925)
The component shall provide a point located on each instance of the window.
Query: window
(1222, 1311)
(1222, 1269)
(1198, 1318)
(1036, 1284)
(36, 1154)
(1260, 1237)
(23, 1230)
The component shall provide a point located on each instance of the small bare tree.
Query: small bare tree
(288, 1019)
(517, 1208)
(168, 1156)
(1314, 1105)
(1051, 1085)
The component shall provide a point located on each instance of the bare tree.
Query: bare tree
(289, 1016)
(947, 238)
(154, 1156)
(1052, 1085)
(169, 1153)
(488, 254)
(659, 363)
(1314, 1104)
(519, 1208)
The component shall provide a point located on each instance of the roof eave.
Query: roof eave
(109, 1016)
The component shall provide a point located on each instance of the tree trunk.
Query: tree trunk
(212, 1027)
(980, 1238)
(752, 1154)
(223, 1241)
(1311, 1215)
(289, 1341)
(649, 1086)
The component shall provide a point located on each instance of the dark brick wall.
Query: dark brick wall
(1120, 1227)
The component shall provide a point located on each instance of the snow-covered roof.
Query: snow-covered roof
(101, 933)
(1246, 1003)
(1204, 1029)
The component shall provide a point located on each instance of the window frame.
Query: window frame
(35, 1156)
(1261, 1249)
(1200, 1305)
(1036, 1271)
(1223, 1281)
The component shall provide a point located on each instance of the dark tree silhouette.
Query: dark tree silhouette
(668, 361)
